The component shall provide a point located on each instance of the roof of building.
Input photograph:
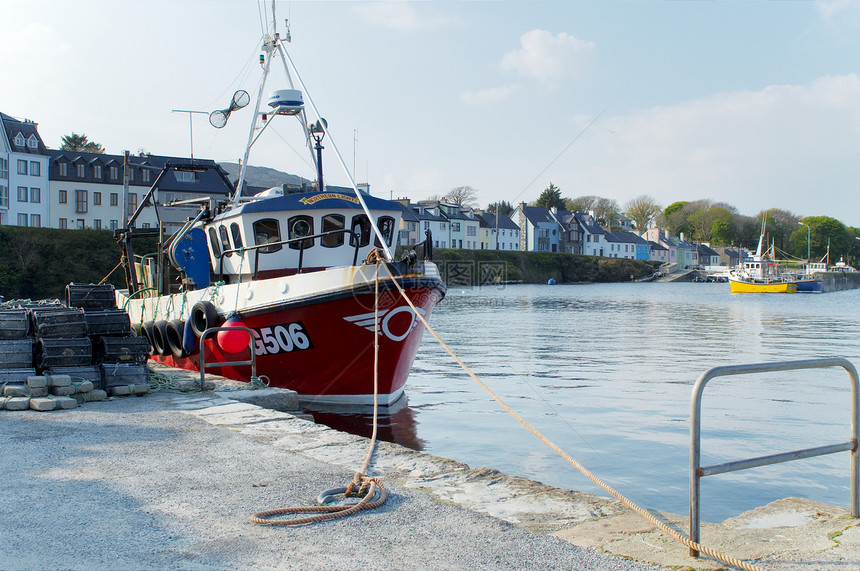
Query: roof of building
(588, 224)
(707, 250)
(657, 246)
(625, 238)
(505, 223)
(206, 181)
(27, 129)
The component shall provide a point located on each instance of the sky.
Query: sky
(751, 103)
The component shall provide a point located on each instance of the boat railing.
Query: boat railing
(214, 330)
(278, 244)
(697, 472)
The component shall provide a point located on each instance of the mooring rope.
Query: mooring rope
(674, 534)
(370, 490)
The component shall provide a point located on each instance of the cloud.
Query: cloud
(36, 40)
(829, 8)
(401, 16)
(785, 146)
(487, 96)
(548, 58)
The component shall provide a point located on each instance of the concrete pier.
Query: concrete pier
(169, 480)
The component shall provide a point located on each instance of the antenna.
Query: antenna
(190, 126)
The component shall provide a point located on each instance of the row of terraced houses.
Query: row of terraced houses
(44, 187)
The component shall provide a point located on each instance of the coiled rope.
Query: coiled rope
(370, 490)
(674, 534)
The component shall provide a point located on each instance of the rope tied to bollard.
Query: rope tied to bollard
(370, 490)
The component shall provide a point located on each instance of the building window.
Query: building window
(36, 220)
(22, 166)
(4, 169)
(35, 195)
(63, 169)
(22, 194)
(19, 140)
(471, 231)
(114, 199)
(32, 142)
(35, 168)
(81, 202)
(114, 224)
(63, 196)
(22, 220)
(81, 170)
(97, 224)
(80, 223)
(4, 196)
(64, 224)
(114, 173)
(97, 171)
(185, 176)
(455, 226)
(97, 198)
(145, 174)
(132, 203)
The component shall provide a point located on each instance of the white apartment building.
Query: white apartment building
(23, 174)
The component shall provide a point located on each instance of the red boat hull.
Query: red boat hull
(323, 349)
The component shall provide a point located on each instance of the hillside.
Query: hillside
(263, 177)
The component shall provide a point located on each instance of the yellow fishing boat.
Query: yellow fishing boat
(760, 274)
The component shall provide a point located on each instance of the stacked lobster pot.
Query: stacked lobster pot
(118, 357)
(16, 347)
(45, 334)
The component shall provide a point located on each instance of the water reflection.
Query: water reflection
(606, 371)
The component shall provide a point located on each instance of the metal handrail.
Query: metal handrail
(252, 361)
(355, 237)
(697, 471)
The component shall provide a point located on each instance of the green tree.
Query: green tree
(722, 233)
(503, 207)
(674, 218)
(824, 231)
(75, 142)
(642, 210)
(551, 196)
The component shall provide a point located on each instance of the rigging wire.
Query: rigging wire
(564, 150)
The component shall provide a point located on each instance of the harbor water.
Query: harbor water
(606, 371)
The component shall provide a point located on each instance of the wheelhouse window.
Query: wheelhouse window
(214, 242)
(267, 231)
(225, 241)
(386, 228)
(237, 235)
(332, 223)
(360, 227)
(301, 226)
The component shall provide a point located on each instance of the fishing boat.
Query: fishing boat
(760, 274)
(305, 278)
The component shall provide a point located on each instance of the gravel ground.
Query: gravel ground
(136, 483)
